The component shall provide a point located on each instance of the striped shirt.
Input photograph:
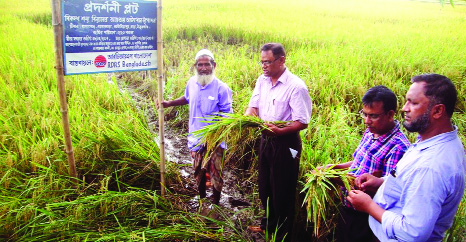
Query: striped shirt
(379, 154)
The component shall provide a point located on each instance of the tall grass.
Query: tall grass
(103, 120)
(338, 48)
(115, 197)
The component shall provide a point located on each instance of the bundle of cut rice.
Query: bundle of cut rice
(235, 130)
(321, 188)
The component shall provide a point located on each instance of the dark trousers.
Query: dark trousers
(278, 177)
(214, 166)
(353, 226)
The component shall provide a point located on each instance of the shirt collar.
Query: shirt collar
(436, 140)
(382, 138)
(284, 77)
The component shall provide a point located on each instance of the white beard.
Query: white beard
(204, 80)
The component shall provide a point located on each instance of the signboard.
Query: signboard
(109, 36)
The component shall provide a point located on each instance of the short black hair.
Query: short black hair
(439, 89)
(277, 49)
(380, 94)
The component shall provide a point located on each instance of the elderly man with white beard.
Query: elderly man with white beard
(206, 95)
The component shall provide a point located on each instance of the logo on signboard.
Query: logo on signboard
(100, 61)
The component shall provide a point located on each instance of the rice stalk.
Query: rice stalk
(236, 130)
(102, 216)
(321, 191)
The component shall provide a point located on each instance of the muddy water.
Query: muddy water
(237, 203)
(233, 197)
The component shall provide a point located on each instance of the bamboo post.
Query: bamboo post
(58, 35)
(160, 95)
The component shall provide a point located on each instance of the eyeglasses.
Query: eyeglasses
(267, 63)
(372, 116)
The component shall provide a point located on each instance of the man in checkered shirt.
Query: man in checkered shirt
(381, 147)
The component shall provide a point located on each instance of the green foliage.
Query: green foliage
(339, 48)
(106, 126)
(112, 144)
(330, 139)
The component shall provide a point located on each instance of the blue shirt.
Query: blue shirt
(422, 197)
(203, 101)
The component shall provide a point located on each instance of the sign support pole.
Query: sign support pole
(58, 35)
(160, 95)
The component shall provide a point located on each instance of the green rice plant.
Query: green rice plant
(109, 133)
(321, 193)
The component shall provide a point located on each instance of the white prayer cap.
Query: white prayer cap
(204, 52)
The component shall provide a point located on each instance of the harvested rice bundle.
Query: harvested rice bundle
(321, 188)
(235, 130)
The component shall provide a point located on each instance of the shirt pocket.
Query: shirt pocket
(279, 109)
(209, 105)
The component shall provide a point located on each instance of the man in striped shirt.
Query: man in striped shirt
(381, 147)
